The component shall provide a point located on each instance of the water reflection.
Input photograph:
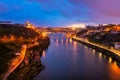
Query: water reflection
(74, 52)
(70, 40)
(110, 59)
(114, 71)
(43, 54)
(66, 40)
(52, 40)
(93, 51)
(57, 42)
(62, 41)
(100, 55)
(74, 46)
(66, 59)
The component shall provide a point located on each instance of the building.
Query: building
(29, 25)
(117, 28)
(5, 22)
(26, 61)
(36, 56)
(117, 45)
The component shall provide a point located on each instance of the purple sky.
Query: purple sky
(60, 12)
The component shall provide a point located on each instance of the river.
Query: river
(66, 59)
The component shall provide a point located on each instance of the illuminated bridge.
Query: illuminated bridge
(55, 30)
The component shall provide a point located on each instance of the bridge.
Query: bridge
(59, 29)
(49, 30)
(53, 29)
(67, 31)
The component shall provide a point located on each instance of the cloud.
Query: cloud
(60, 12)
(107, 7)
(62, 7)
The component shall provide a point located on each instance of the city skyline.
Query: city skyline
(60, 12)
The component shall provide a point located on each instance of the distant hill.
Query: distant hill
(17, 31)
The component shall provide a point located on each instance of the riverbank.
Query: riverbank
(12, 37)
(31, 65)
(114, 55)
(19, 63)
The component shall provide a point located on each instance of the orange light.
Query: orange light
(44, 54)
(44, 34)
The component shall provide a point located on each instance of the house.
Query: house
(117, 45)
(26, 61)
(36, 56)
(117, 28)
(17, 54)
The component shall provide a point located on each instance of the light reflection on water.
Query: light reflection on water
(44, 54)
(114, 71)
(66, 59)
(100, 55)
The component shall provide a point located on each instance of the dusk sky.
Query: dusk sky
(60, 12)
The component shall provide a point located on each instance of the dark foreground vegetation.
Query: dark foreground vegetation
(17, 31)
(27, 72)
(11, 39)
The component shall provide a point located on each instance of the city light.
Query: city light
(44, 34)
(59, 40)
(75, 26)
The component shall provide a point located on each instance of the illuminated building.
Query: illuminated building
(29, 25)
(116, 28)
(44, 34)
(77, 26)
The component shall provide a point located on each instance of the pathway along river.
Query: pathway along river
(66, 59)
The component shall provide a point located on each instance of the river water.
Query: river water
(66, 59)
